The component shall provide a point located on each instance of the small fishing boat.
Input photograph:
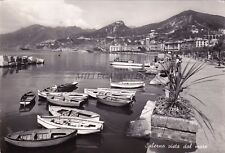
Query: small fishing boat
(64, 101)
(113, 101)
(40, 61)
(104, 91)
(127, 66)
(83, 126)
(40, 137)
(76, 95)
(152, 69)
(128, 63)
(115, 95)
(127, 84)
(68, 87)
(44, 93)
(119, 91)
(26, 108)
(91, 92)
(159, 79)
(73, 112)
(27, 98)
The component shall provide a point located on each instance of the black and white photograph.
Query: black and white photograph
(112, 76)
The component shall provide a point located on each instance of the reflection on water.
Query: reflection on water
(13, 70)
(121, 110)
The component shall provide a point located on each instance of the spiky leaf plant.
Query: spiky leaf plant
(175, 105)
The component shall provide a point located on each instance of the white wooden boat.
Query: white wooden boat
(127, 66)
(27, 98)
(151, 70)
(91, 92)
(113, 101)
(119, 91)
(64, 101)
(83, 126)
(115, 95)
(127, 84)
(40, 137)
(73, 112)
(106, 91)
(76, 95)
(159, 80)
(40, 61)
(127, 63)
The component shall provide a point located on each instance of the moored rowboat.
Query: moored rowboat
(83, 126)
(128, 84)
(40, 137)
(68, 87)
(64, 101)
(73, 112)
(106, 91)
(27, 98)
(113, 101)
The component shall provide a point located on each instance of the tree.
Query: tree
(218, 48)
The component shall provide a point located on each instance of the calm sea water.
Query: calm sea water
(61, 68)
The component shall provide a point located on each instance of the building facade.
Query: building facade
(199, 42)
(172, 46)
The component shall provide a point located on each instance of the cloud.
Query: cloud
(15, 14)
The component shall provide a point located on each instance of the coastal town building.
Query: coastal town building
(200, 42)
(188, 44)
(125, 48)
(172, 46)
(156, 46)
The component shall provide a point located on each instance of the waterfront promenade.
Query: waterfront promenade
(213, 95)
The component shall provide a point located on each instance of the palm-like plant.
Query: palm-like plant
(175, 105)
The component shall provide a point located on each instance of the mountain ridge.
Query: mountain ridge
(178, 26)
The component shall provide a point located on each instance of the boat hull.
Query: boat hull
(43, 142)
(65, 111)
(127, 85)
(127, 64)
(66, 103)
(113, 101)
(47, 123)
(27, 98)
(91, 92)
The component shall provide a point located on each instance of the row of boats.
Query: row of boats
(157, 69)
(66, 119)
(10, 61)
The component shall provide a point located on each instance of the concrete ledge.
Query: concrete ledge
(142, 126)
(175, 123)
(170, 134)
(139, 128)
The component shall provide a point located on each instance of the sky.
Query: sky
(16, 14)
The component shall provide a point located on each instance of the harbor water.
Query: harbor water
(93, 70)
(65, 67)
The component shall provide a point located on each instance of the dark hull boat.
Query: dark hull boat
(68, 87)
(40, 137)
(27, 98)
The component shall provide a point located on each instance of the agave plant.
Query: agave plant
(175, 105)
